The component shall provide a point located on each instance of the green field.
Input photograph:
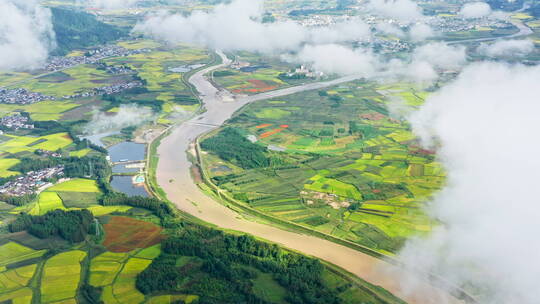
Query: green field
(164, 86)
(47, 201)
(12, 252)
(76, 185)
(61, 276)
(70, 81)
(264, 78)
(124, 285)
(53, 142)
(20, 296)
(105, 267)
(348, 169)
(45, 110)
(5, 164)
(17, 278)
(116, 273)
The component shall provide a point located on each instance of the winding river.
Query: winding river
(173, 176)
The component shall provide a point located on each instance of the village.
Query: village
(107, 90)
(16, 121)
(90, 57)
(21, 96)
(33, 181)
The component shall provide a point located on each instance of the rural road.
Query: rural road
(173, 176)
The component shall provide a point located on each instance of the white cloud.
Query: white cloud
(441, 55)
(507, 48)
(420, 32)
(390, 29)
(127, 116)
(485, 125)
(402, 10)
(26, 34)
(337, 59)
(352, 30)
(473, 10)
(237, 26)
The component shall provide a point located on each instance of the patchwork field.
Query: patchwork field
(45, 110)
(72, 195)
(116, 274)
(339, 163)
(15, 144)
(162, 70)
(71, 81)
(262, 75)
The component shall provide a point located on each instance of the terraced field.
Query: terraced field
(342, 164)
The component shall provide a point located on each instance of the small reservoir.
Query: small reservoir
(127, 152)
(125, 185)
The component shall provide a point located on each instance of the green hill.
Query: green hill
(75, 30)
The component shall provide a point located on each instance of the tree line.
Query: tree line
(225, 277)
(161, 209)
(230, 145)
(72, 226)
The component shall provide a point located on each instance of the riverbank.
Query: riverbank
(174, 178)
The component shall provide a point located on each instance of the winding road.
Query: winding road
(173, 176)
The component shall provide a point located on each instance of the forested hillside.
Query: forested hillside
(75, 30)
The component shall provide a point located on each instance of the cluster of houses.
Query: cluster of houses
(107, 90)
(31, 182)
(91, 57)
(452, 24)
(115, 69)
(16, 121)
(48, 153)
(330, 199)
(305, 72)
(21, 96)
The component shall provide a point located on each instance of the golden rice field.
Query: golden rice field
(61, 276)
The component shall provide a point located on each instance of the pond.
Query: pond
(125, 185)
(127, 151)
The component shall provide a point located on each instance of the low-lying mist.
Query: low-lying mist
(485, 127)
(126, 116)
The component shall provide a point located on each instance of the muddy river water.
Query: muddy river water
(173, 174)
